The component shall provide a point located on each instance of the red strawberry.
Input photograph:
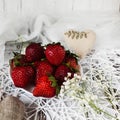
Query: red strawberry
(18, 60)
(46, 87)
(44, 68)
(55, 53)
(61, 73)
(22, 75)
(34, 52)
(72, 61)
(36, 64)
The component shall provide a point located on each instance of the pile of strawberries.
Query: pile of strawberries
(45, 67)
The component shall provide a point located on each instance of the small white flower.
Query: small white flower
(79, 77)
(69, 74)
(67, 87)
(65, 78)
(71, 81)
(73, 84)
(62, 87)
(66, 83)
(75, 75)
(62, 91)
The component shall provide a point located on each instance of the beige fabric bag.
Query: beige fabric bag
(11, 108)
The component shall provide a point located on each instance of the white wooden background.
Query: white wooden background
(57, 6)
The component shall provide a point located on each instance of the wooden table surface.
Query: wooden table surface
(57, 6)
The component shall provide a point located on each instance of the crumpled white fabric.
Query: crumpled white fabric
(28, 27)
(46, 29)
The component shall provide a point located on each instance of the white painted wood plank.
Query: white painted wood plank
(29, 6)
(97, 5)
(57, 6)
(12, 6)
(117, 5)
(1, 5)
(63, 6)
(46, 6)
(107, 6)
(82, 5)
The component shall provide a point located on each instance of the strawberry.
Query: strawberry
(36, 64)
(43, 68)
(61, 73)
(17, 60)
(22, 75)
(72, 61)
(34, 52)
(55, 53)
(46, 87)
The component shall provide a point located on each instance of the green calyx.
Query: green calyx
(70, 54)
(54, 84)
(71, 68)
(17, 57)
(54, 43)
(53, 80)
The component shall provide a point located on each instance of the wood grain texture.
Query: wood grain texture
(29, 6)
(57, 6)
(12, 6)
(1, 6)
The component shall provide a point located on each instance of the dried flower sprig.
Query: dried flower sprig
(74, 34)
